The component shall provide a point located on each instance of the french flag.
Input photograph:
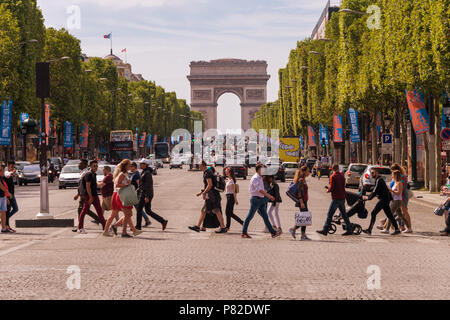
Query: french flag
(107, 36)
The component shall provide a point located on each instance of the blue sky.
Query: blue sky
(163, 36)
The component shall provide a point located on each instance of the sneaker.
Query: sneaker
(147, 224)
(96, 222)
(245, 236)
(82, 231)
(368, 232)
(380, 227)
(203, 230)
(279, 230)
(195, 228)
(385, 231)
(164, 225)
(347, 233)
(305, 238)
(75, 230)
(322, 232)
(114, 229)
(408, 231)
(292, 232)
(443, 234)
(11, 230)
(137, 233)
(276, 235)
(126, 235)
(396, 232)
(224, 230)
(6, 231)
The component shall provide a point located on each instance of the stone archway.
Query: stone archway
(245, 79)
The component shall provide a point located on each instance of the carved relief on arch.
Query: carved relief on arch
(220, 91)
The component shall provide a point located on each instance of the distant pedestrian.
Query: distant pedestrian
(384, 198)
(397, 202)
(4, 196)
(258, 203)
(80, 197)
(274, 191)
(145, 194)
(13, 208)
(212, 199)
(337, 190)
(121, 180)
(135, 181)
(303, 197)
(89, 182)
(232, 199)
(403, 211)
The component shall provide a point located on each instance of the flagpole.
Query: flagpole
(111, 43)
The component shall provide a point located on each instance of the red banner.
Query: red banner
(338, 136)
(312, 137)
(47, 121)
(142, 141)
(84, 136)
(418, 111)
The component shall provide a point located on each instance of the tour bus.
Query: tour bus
(162, 151)
(121, 146)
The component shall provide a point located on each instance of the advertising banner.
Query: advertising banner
(323, 134)
(418, 112)
(5, 123)
(311, 137)
(353, 116)
(23, 117)
(142, 142)
(149, 141)
(84, 139)
(290, 149)
(68, 134)
(338, 135)
(378, 126)
(302, 143)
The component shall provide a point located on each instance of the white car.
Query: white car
(368, 182)
(290, 169)
(100, 175)
(69, 177)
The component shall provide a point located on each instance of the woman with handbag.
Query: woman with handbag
(274, 205)
(121, 181)
(232, 190)
(300, 179)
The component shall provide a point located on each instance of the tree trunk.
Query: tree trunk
(438, 156)
(374, 139)
(404, 139)
(432, 146)
(397, 141)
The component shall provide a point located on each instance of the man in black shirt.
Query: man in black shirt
(382, 192)
(145, 193)
(13, 208)
(89, 182)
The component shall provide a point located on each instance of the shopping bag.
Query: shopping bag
(128, 196)
(303, 219)
(439, 211)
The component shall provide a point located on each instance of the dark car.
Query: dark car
(241, 171)
(30, 174)
(310, 164)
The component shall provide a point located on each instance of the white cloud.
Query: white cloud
(123, 4)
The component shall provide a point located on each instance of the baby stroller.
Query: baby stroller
(357, 206)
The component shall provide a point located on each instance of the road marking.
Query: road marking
(87, 236)
(427, 241)
(375, 240)
(30, 243)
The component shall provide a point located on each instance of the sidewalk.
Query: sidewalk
(427, 198)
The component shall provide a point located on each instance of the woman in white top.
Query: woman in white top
(121, 180)
(231, 192)
(397, 202)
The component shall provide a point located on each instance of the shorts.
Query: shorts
(3, 204)
(116, 203)
(106, 203)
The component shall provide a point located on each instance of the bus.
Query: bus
(121, 146)
(162, 151)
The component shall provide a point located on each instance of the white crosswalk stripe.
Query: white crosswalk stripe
(87, 236)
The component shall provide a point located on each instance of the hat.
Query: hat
(144, 161)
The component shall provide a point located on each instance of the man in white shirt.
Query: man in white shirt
(258, 203)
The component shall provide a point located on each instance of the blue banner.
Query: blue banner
(353, 116)
(149, 141)
(5, 123)
(68, 134)
(23, 117)
(302, 145)
(323, 131)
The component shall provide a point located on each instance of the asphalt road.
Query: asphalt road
(180, 264)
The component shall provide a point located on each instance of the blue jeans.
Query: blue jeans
(336, 204)
(13, 208)
(260, 205)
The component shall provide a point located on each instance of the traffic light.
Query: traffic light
(324, 145)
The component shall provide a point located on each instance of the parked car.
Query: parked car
(367, 182)
(281, 173)
(310, 163)
(70, 177)
(354, 173)
(73, 162)
(343, 168)
(241, 171)
(30, 174)
(322, 168)
(176, 163)
(290, 169)
(219, 160)
(100, 175)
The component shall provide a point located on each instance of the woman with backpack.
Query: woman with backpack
(302, 198)
(274, 191)
(232, 190)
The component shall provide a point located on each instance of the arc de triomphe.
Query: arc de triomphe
(210, 80)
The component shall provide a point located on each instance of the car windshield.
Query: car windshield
(54, 160)
(290, 166)
(358, 169)
(384, 171)
(30, 169)
(70, 169)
